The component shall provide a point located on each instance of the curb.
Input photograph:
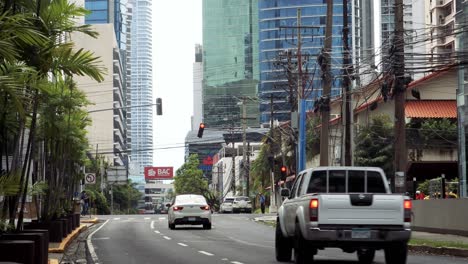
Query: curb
(53, 261)
(68, 239)
(456, 252)
(90, 221)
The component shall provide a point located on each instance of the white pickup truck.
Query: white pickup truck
(350, 208)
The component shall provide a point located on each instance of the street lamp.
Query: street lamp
(158, 104)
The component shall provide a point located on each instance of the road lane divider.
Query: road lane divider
(152, 225)
(236, 262)
(157, 232)
(182, 244)
(91, 250)
(167, 238)
(147, 218)
(205, 253)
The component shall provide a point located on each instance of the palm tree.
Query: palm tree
(51, 59)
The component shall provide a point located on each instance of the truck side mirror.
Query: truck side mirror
(285, 192)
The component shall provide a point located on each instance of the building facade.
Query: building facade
(107, 132)
(141, 119)
(230, 62)
(278, 37)
(197, 117)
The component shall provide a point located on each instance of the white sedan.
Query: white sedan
(226, 206)
(189, 209)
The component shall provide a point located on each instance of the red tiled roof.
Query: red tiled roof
(431, 109)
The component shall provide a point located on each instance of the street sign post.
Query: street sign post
(117, 175)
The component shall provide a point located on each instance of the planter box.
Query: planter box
(21, 251)
(71, 220)
(76, 218)
(55, 229)
(45, 232)
(64, 226)
(40, 247)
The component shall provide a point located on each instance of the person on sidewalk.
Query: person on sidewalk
(85, 203)
(262, 203)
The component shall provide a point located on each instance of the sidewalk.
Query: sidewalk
(441, 244)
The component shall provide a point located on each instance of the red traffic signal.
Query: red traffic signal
(284, 172)
(201, 128)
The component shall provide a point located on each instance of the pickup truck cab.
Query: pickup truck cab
(350, 208)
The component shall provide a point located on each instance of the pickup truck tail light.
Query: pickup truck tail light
(407, 205)
(313, 210)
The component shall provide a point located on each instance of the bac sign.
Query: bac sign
(159, 173)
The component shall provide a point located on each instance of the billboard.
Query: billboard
(159, 173)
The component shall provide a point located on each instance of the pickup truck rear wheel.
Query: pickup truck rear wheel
(366, 255)
(283, 245)
(302, 253)
(396, 253)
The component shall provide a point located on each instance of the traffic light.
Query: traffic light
(200, 130)
(284, 172)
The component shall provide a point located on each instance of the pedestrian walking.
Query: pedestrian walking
(84, 202)
(262, 203)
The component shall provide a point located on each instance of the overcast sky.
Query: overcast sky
(177, 27)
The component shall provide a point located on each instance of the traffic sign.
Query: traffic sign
(90, 178)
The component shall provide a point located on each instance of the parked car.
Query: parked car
(226, 206)
(242, 204)
(189, 209)
(350, 208)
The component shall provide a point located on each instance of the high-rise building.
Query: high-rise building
(107, 131)
(197, 117)
(118, 13)
(141, 118)
(275, 39)
(230, 61)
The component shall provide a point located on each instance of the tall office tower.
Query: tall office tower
(197, 117)
(230, 61)
(142, 86)
(118, 13)
(275, 39)
(107, 131)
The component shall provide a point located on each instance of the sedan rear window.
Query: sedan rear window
(242, 199)
(198, 199)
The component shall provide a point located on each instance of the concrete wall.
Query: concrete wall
(448, 216)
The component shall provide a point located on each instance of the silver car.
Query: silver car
(242, 204)
(189, 209)
(226, 206)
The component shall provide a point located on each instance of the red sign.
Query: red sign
(159, 173)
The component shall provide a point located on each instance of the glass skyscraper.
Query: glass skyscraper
(275, 39)
(141, 118)
(230, 61)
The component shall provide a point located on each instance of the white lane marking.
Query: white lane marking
(225, 259)
(101, 238)
(205, 253)
(147, 218)
(167, 238)
(162, 218)
(152, 224)
(182, 244)
(90, 244)
(247, 243)
(117, 218)
(236, 262)
(157, 232)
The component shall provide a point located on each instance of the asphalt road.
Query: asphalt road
(234, 239)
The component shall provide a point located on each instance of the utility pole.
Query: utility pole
(347, 71)
(244, 141)
(327, 82)
(272, 172)
(301, 100)
(399, 95)
(233, 169)
(248, 169)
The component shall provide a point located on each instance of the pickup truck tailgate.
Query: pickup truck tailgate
(381, 209)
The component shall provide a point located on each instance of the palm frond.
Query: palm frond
(10, 184)
(80, 62)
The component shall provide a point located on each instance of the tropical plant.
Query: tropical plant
(374, 144)
(189, 178)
